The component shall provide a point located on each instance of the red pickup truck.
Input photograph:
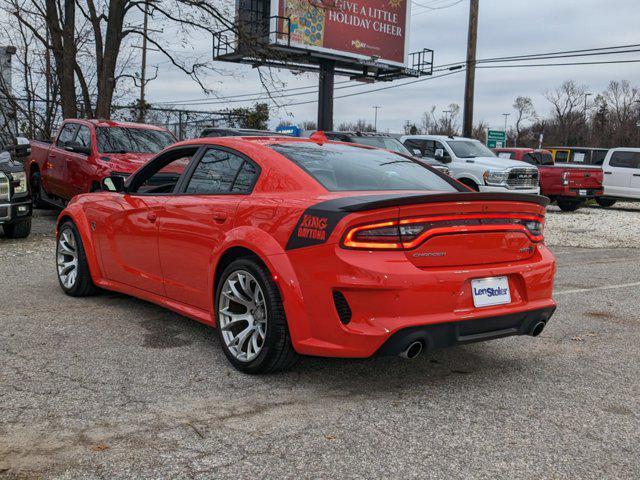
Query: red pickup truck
(569, 185)
(86, 151)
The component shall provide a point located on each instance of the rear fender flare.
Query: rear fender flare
(273, 255)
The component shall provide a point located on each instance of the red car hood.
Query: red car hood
(126, 162)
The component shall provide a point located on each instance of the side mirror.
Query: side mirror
(114, 183)
(75, 147)
(417, 152)
(440, 156)
(23, 147)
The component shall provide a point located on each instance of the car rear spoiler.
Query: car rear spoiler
(374, 202)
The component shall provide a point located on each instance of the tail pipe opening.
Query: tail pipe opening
(537, 329)
(413, 350)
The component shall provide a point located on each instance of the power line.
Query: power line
(313, 90)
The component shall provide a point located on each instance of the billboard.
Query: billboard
(354, 28)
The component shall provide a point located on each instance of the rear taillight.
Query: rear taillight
(408, 233)
(565, 179)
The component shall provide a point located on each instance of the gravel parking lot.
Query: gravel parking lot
(112, 387)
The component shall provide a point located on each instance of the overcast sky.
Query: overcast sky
(507, 27)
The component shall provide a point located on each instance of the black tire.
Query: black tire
(605, 202)
(569, 205)
(36, 192)
(470, 183)
(277, 353)
(18, 229)
(83, 285)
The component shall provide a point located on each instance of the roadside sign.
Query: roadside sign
(496, 138)
(289, 130)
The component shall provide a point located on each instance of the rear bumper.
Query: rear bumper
(15, 210)
(468, 331)
(386, 294)
(577, 193)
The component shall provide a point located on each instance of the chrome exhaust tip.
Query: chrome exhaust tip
(412, 351)
(537, 329)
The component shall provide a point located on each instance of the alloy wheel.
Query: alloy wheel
(243, 314)
(67, 258)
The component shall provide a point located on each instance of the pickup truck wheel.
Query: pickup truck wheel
(251, 321)
(71, 262)
(605, 202)
(36, 191)
(18, 229)
(569, 205)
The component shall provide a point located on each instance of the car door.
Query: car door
(78, 164)
(194, 223)
(54, 170)
(634, 185)
(127, 223)
(618, 173)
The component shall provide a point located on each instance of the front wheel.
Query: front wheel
(605, 202)
(569, 205)
(36, 191)
(251, 321)
(71, 262)
(18, 229)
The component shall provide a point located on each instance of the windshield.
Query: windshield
(383, 142)
(343, 167)
(469, 149)
(137, 140)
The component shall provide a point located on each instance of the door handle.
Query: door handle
(220, 217)
(152, 216)
(636, 174)
(608, 173)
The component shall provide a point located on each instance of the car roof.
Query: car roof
(438, 137)
(114, 123)
(580, 148)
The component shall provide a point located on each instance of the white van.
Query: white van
(621, 169)
(475, 165)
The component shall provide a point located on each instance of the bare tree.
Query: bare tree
(360, 125)
(621, 99)
(525, 112)
(567, 104)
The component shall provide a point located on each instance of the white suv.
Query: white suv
(475, 165)
(621, 169)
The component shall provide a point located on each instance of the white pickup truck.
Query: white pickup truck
(475, 165)
(621, 168)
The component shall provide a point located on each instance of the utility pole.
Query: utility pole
(472, 40)
(375, 123)
(505, 115)
(325, 99)
(143, 68)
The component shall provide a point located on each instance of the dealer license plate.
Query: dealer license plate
(490, 291)
(582, 193)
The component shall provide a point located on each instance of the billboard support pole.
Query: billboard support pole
(467, 123)
(325, 99)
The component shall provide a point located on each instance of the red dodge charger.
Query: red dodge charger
(308, 247)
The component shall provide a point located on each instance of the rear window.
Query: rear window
(382, 142)
(349, 168)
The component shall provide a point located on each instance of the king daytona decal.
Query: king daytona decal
(314, 228)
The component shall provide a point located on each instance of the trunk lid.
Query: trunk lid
(470, 233)
(588, 178)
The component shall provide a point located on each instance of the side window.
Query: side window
(438, 145)
(415, 144)
(530, 158)
(162, 174)
(84, 136)
(561, 156)
(507, 155)
(67, 134)
(625, 160)
(221, 172)
(246, 179)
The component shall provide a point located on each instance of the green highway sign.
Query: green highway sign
(496, 139)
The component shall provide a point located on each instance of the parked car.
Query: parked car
(475, 165)
(567, 184)
(621, 170)
(237, 132)
(301, 247)
(388, 142)
(582, 155)
(86, 151)
(15, 200)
